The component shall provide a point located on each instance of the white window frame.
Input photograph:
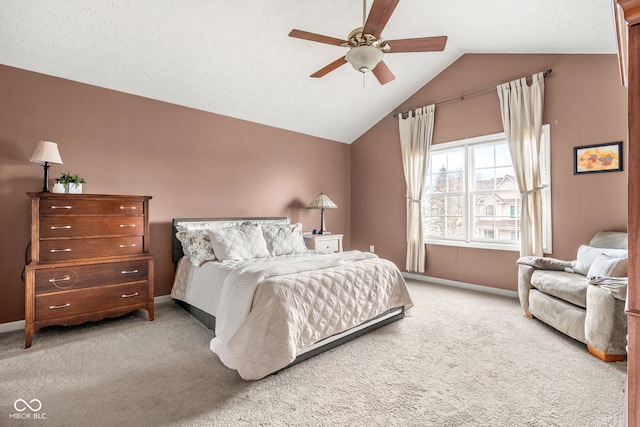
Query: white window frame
(468, 241)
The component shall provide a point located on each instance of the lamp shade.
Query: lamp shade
(46, 151)
(322, 202)
(364, 58)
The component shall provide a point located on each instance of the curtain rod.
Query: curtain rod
(466, 95)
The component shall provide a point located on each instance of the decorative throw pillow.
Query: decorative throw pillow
(239, 243)
(197, 246)
(607, 266)
(284, 239)
(588, 254)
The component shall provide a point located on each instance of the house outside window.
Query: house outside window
(471, 195)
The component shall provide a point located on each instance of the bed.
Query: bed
(272, 302)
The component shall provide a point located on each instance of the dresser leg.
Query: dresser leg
(150, 311)
(28, 335)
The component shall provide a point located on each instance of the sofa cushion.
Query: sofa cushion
(569, 287)
(606, 266)
(610, 239)
(588, 254)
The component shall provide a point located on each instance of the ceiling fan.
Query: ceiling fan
(366, 47)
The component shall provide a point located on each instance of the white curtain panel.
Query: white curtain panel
(522, 107)
(416, 132)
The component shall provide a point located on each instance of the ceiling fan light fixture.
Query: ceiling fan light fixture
(364, 58)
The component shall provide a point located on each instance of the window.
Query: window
(471, 195)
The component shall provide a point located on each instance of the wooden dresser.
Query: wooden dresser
(89, 259)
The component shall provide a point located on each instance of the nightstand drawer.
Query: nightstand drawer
(66, 249)
(83, 226)
(86, 276)
(324, 242)
(74, 302)
(71, 206)
(327, 246)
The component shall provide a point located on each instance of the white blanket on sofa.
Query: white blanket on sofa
(299, 301)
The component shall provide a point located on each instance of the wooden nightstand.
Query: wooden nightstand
(324, 242)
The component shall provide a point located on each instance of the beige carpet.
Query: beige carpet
(462, 359)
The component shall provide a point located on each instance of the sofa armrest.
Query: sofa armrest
(545, 263)
(525, 272)
(526, 266)
(605, 321)
(616, 286)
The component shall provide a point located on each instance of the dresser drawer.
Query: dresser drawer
(81, 226)
(69, 206)
(74, 302)
(86, 276)
(66, 249)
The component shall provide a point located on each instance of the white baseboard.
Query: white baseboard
(19, 324)
(162, 298)
(447, 282)
(12, 326)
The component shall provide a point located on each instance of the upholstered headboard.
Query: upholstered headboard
(212, 223)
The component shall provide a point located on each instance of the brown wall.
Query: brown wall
(198, 164)
(193, 164)
(584, 104)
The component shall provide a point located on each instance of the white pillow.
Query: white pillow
(607, 266)
(239, 243)
(587, 255)
(205, 225)
(197, 246)
(284, 239)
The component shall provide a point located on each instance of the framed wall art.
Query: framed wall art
(597, 158)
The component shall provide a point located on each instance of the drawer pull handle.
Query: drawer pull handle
(63, 279)
(60, 207)
(135, 294)
(129, 271)
(58, 227)
(60, 250)
(54, 307)
(127, 207)
(128, 245)
(127, 225)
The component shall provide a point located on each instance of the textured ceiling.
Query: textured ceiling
(234, 57)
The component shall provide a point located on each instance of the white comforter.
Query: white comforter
(299, 301)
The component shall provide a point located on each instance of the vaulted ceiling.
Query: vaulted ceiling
(234, 57)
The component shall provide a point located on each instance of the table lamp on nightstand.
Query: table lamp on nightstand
(322, 202)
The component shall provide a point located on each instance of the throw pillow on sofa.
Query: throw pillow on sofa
(607, 266)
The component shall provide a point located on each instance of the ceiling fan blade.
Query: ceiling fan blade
(315, 37)
(379, 15)
(383, 73)
(329, 68)
(423, 44)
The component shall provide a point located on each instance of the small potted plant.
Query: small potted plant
(58, 187)
(72, 182)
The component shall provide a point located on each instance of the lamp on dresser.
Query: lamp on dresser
(46, 152)
(322, 202)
